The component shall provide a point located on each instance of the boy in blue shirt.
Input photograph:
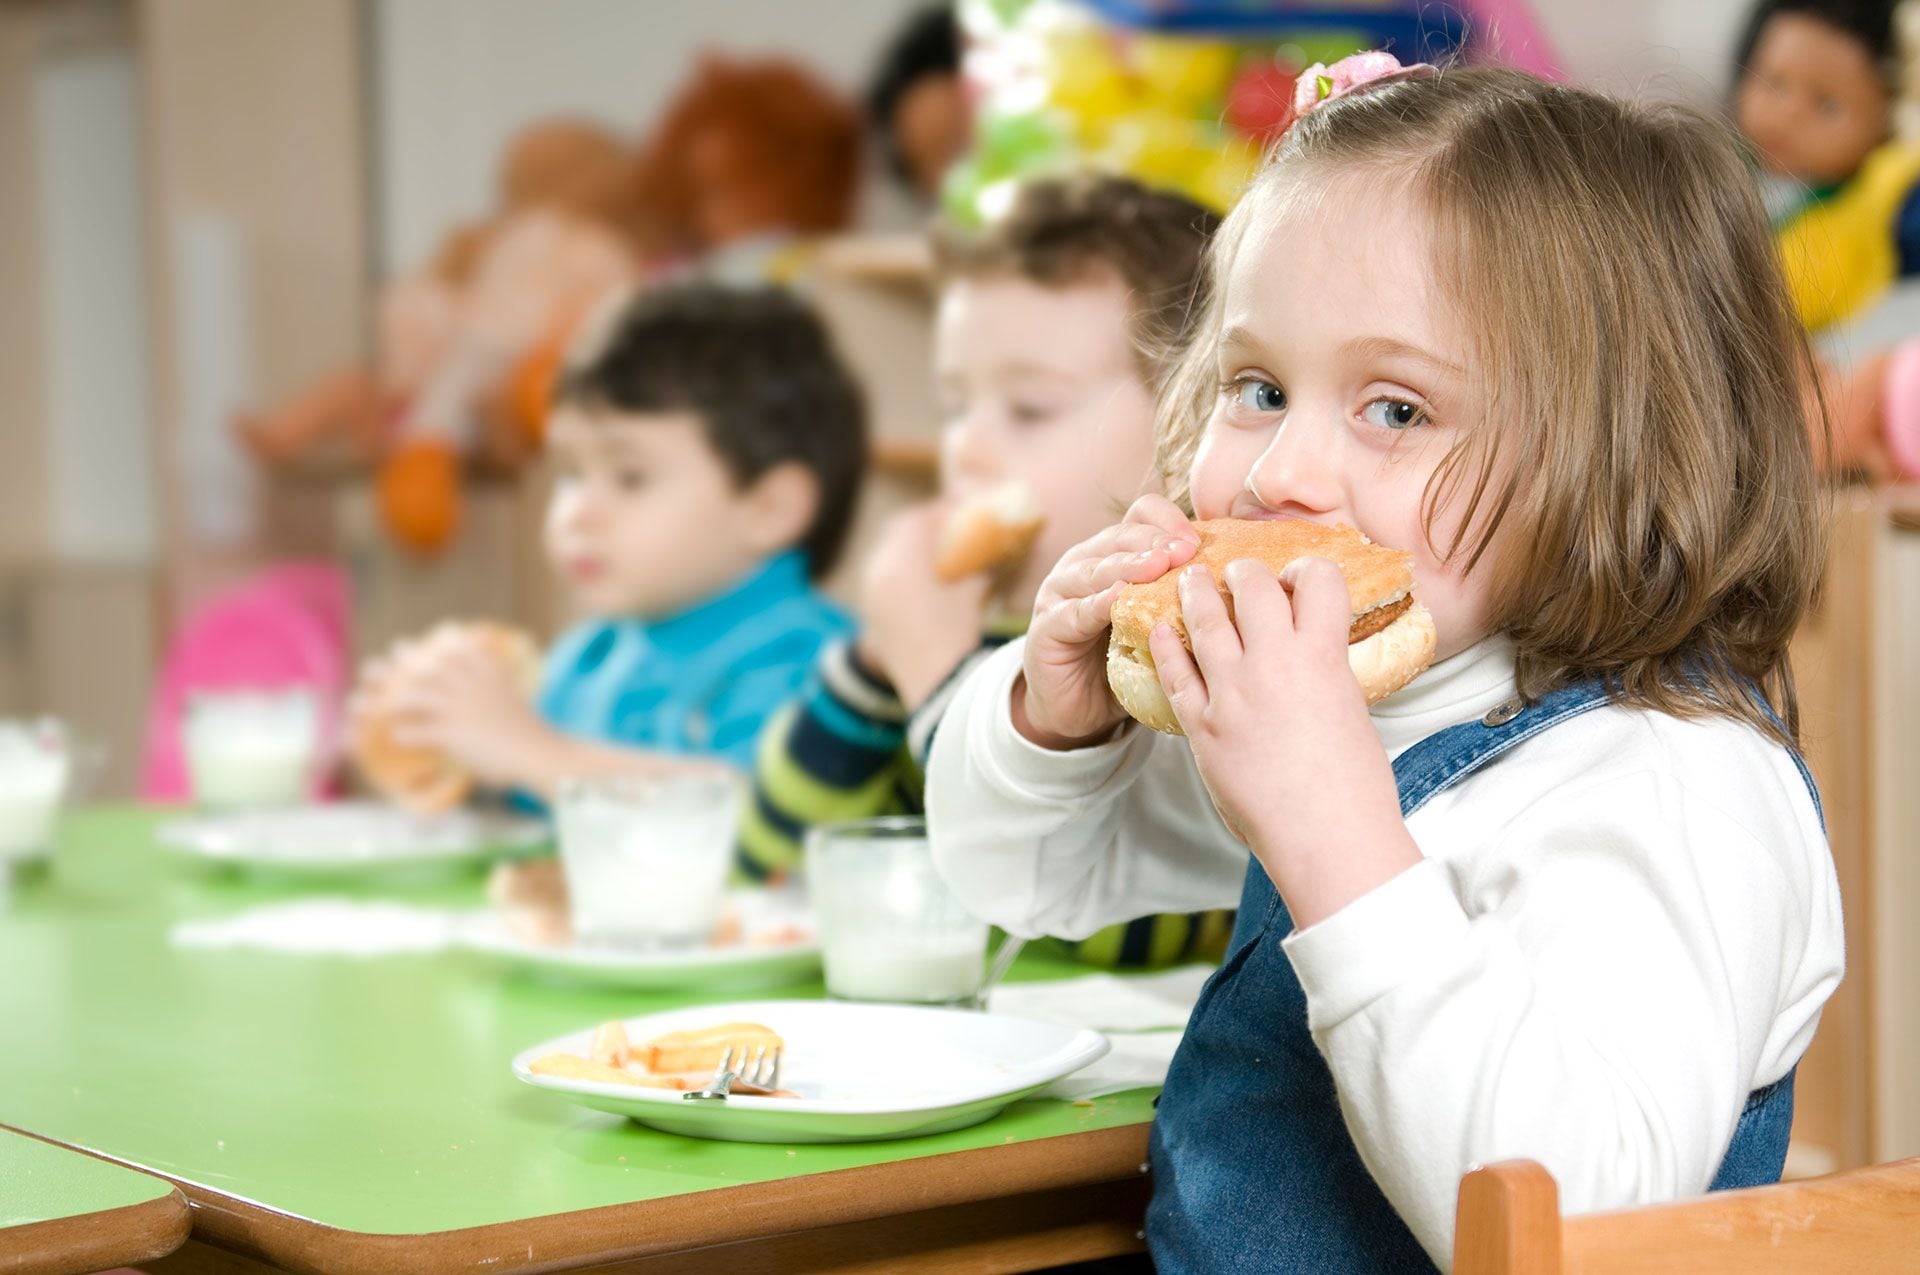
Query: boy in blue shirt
(706, 455)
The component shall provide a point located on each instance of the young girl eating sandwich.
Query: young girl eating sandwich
(1567, 895)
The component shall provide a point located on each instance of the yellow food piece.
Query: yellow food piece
(609, 1046)
(699, 1051)
(573, 1067)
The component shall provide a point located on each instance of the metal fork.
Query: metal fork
(759, 1074)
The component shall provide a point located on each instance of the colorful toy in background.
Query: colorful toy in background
(749, 159)
(1816, 88)
(1827, 93)
(1182, 96)
(917, 101)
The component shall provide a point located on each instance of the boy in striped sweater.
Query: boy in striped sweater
(1057, 325)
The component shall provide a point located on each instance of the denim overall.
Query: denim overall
(1253, 1168)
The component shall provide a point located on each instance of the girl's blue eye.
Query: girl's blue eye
(1393, 413)
(1261, 396)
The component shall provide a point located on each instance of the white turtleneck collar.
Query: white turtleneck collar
(1457, 689)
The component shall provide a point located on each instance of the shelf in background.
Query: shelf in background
(892, 259)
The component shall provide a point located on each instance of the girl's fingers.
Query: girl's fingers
(1180, 677)
(1320, 603)
(1161, 513)
(1095, 575)
(1087, 618)
(1166, 518)
(1261, 612)
(1216, 644)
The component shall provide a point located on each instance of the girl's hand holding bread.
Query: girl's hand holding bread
(1062, 699)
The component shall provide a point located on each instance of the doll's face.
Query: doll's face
(1811, 100)
(932, 128)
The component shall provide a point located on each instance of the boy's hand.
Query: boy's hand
(467, 704)
(1280, 730)
(1062, 700)
(915, 628)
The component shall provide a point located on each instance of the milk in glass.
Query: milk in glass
(249, 749)
(35, 763)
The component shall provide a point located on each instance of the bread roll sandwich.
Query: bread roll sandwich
(1390, 643)
(425, 780)
(992, 531)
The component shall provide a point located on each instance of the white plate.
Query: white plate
(735, 967)
(864, 1073)
(351, 839)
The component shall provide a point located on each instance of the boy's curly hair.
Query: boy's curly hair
(1072, 230)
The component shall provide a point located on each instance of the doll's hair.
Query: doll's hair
(1647, 386)
(1066, 231)
(572, 165)
(927, 44)
(783, 128)
(1868, 21)
(759, 370)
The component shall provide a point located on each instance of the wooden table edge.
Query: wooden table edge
(96, 1241)
(697, 1219)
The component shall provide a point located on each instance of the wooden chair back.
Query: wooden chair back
(1857, 1222)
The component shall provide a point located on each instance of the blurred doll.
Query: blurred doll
(576, 169)
(1815, 96)
(747, 160)
(751, 160)
(1819, 92)
(917, 103)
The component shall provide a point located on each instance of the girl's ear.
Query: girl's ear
(781, 506)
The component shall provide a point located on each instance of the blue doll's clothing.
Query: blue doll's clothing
(700, 683)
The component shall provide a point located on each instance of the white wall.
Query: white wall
(99, 427)
(1669, 48)
(455, 78)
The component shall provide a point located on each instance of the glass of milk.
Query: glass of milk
(890, 929)
(646, 857)
(248, 749)
(36, 763)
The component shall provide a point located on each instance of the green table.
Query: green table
(63, 1212)
(358, 1113)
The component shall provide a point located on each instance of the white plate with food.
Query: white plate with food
(351, 839)
(763, 939)
(854, 1072)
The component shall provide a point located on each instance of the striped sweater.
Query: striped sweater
(848, 749)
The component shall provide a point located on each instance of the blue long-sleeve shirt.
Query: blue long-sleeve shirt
(700, 683)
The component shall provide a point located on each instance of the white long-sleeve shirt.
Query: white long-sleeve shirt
(1620, 928)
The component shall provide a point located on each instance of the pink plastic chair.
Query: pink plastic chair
(289, 627)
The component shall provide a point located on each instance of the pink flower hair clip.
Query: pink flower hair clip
(1322, 83)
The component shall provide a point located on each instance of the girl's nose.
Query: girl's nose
(1298, 473)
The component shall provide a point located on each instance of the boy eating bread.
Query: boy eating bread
(1056, 325)
(706, 450)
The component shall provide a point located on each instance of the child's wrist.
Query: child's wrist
(1036, 730)
(1319, 879)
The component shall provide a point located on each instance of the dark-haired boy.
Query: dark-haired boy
(706, 455)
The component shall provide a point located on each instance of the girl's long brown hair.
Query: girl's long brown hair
(1647, 384)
